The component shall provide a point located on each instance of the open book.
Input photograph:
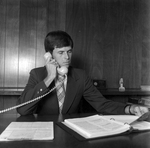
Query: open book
(28, 131)
(101, 126)
(96, 126)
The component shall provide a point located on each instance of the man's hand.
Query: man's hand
(137, 110)
(51, 67)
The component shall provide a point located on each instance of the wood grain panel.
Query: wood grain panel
(145, 43)
(107, 36)
(12, 41)
(27, 40)
(1, 102)
(56, 15)
(111, 38)
(2, 40)
(41, 31)
(10, 101)
(2, 46)
(60, 15)
(94, 31)
(76, 26)
(123, 55)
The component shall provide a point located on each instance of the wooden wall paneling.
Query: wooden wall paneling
(1, 102)
(132, 45)
(56, 15)
(111, 38)
(12, 40)
(51, 15)
(113, 43)
(122, 52)
(145, 24)
(107, 37)
(60, 15)
(41, 31)
(27, 40)
(10, 101)
(95, 11)
(2, 40)
(76, 27)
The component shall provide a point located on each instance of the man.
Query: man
(77, 85)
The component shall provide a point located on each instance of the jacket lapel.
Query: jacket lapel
(70, 91)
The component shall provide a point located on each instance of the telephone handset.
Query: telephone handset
(63, 71)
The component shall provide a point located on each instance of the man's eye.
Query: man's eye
(69, 51)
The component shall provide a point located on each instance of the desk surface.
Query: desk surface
(63, 139)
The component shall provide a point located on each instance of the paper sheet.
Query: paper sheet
(28, 131)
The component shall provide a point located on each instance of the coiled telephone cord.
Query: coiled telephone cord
(30, 101)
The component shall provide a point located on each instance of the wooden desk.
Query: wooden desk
(63, 139)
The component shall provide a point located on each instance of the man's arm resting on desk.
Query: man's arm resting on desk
(136, 110)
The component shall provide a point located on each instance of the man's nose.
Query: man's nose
(66, 55)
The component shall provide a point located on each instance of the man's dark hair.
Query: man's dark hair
(57, 39)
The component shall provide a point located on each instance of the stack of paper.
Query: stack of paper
(28, 131)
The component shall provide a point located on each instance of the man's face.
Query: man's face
(63, 56)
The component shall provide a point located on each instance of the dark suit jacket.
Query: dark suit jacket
(79, 86)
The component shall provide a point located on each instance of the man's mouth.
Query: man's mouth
(66, 63)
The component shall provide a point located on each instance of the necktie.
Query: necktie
(60, 91)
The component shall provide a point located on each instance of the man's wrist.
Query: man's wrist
(48, 81)
(128, 110)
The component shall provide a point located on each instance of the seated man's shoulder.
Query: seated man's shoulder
(39, 69)
(80, 73)
(77, 70)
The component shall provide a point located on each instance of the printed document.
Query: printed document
(28, 131)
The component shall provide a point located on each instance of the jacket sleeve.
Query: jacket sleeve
(99, 102)
(33, 89)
